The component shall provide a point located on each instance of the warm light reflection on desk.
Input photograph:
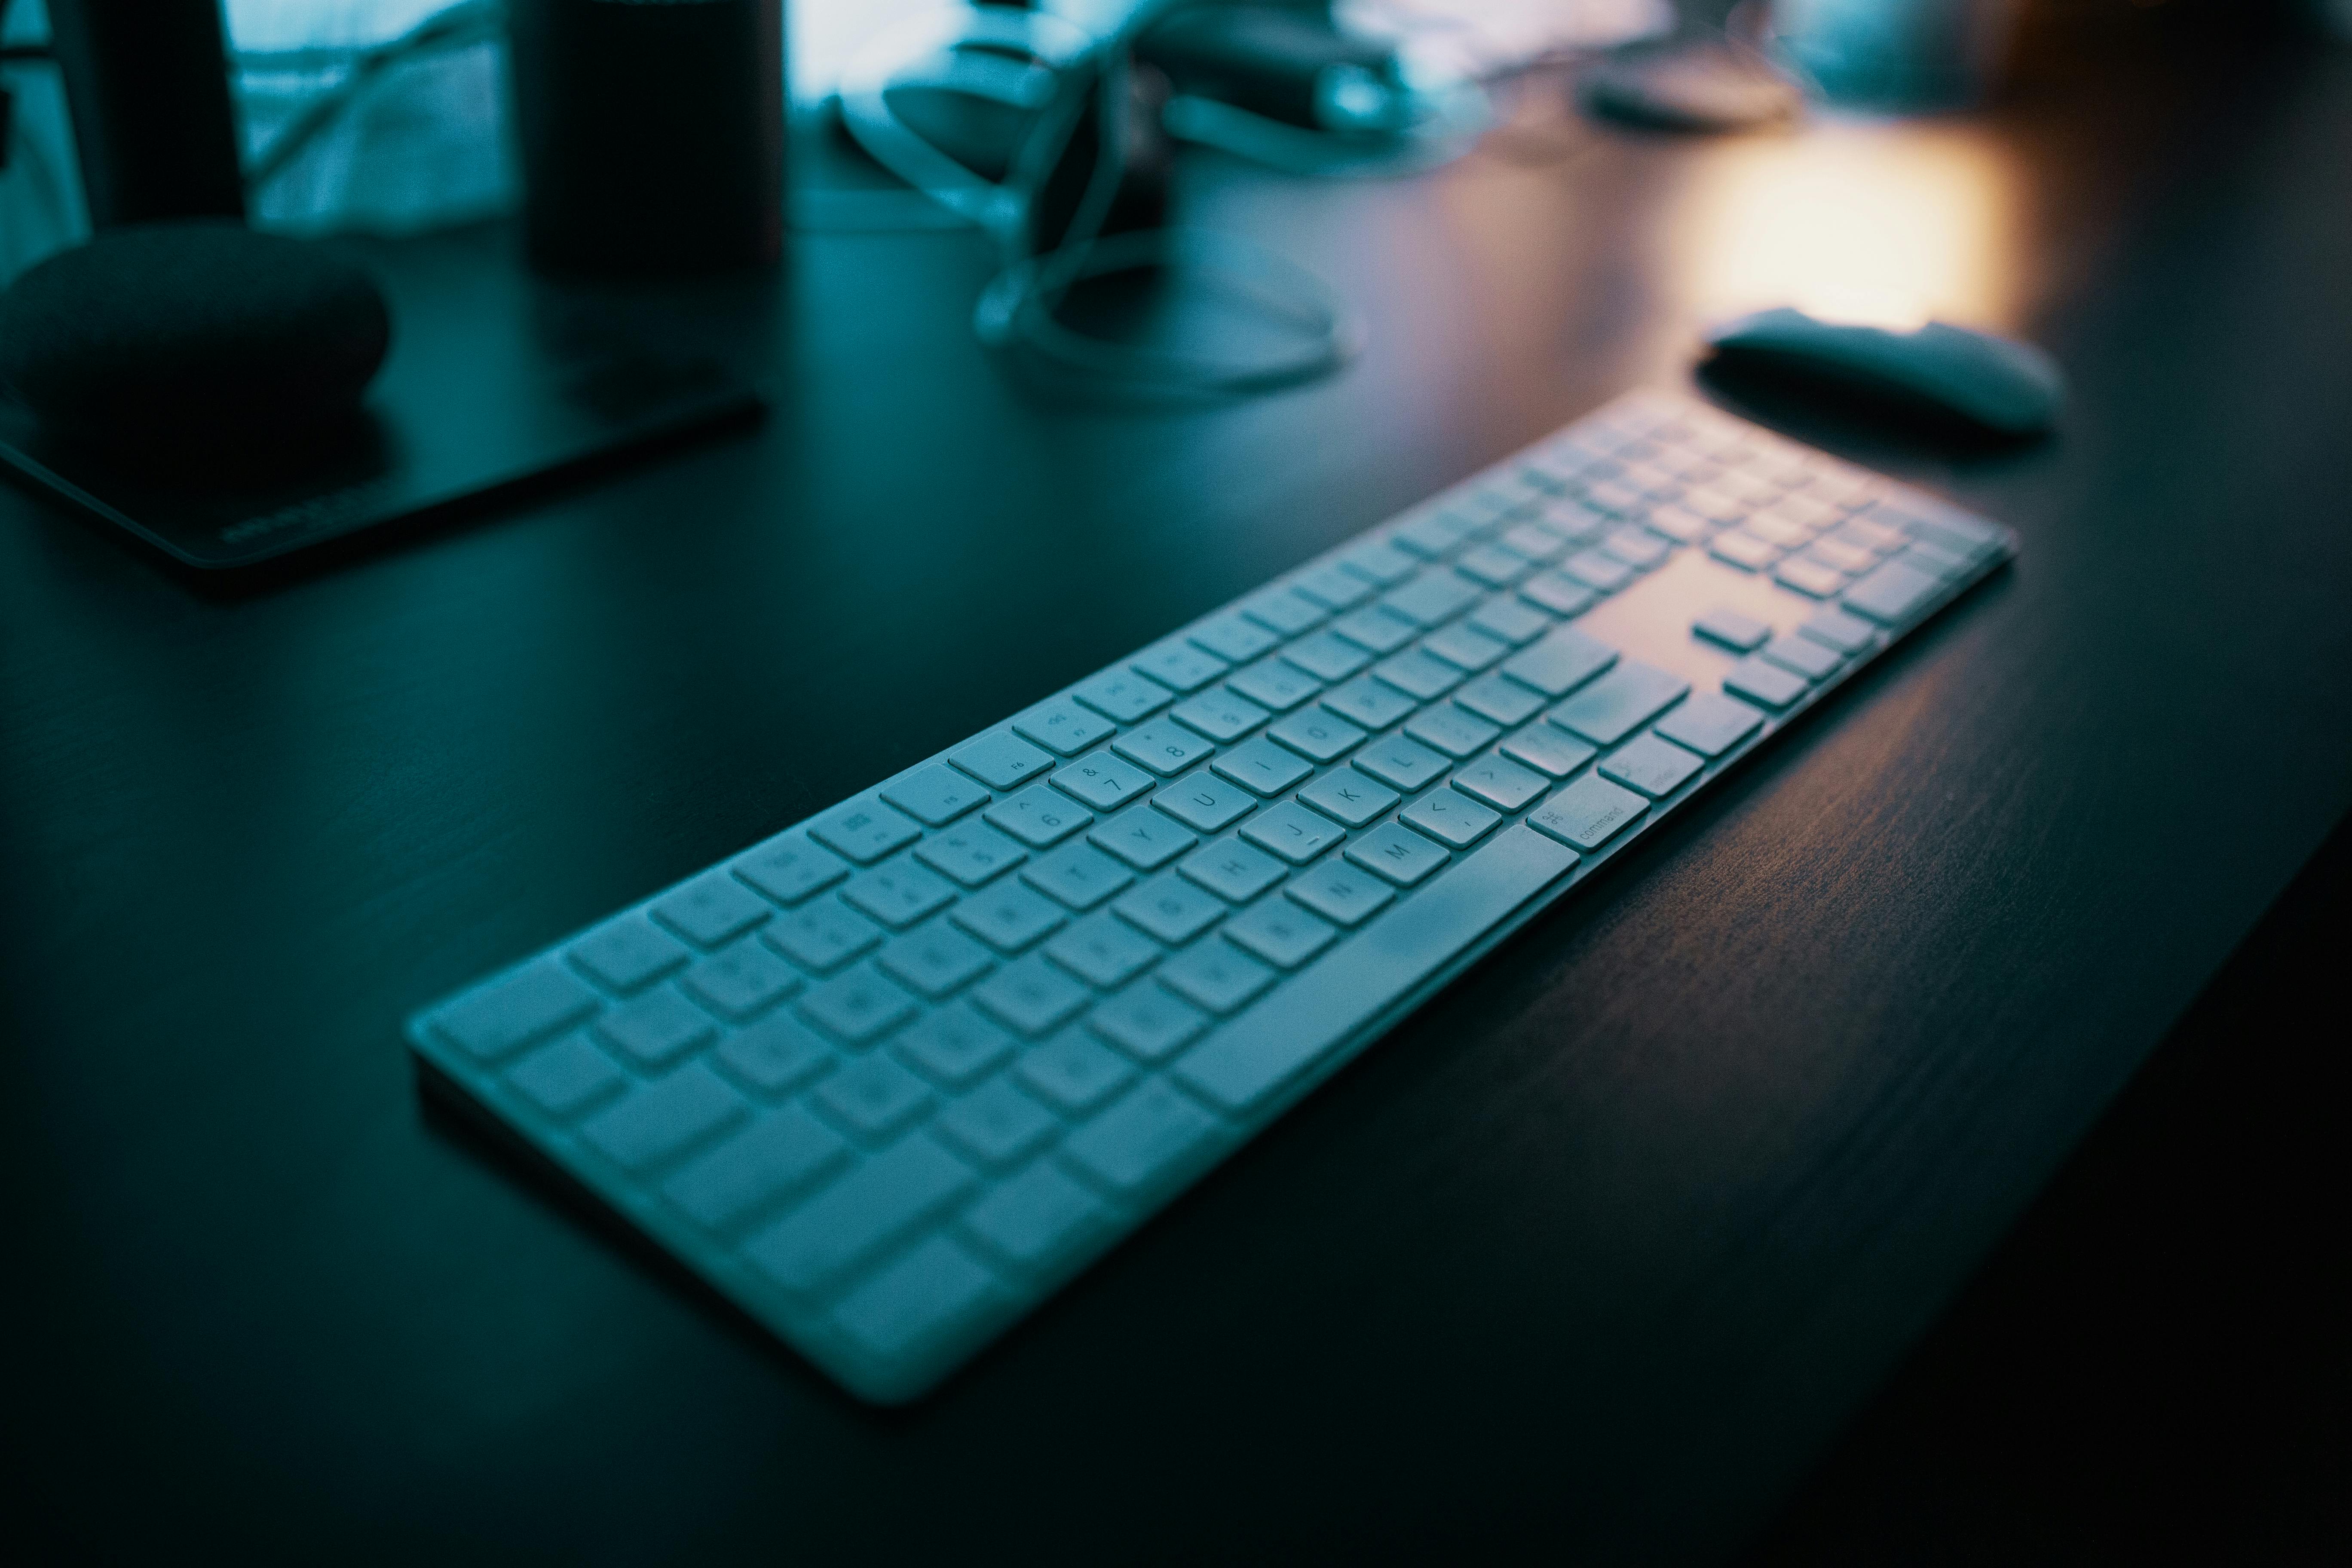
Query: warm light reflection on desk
(1853, 220)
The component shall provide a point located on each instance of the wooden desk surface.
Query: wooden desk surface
(1596, 1252)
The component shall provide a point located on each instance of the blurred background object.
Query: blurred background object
(652, 135)
(147, 85)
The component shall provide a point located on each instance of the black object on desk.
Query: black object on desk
(147, 82)
(493, 382)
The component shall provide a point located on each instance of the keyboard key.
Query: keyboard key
(1144, 838)
(1604, 573)
(1729, 628)
(628, 954)
(1262, 767)
(1180, 666)
(1432, 534)
(1037, 1220)
(1220, 715)
(1062, 727)
(711, 909)
(821, 934)
(1002, 761)
(1124, 696)
(1655, 767)
(1275, 684)
(1533, 541)
(1766, 683)
(1382, 562)
(919, 1305)
(783, 1152)
(1400, 764)
(1437, 594)
(938, 795)
(1509, 620)
(1863, 533)
(972, 854)
(999, 1124)
(1079, 875)
(1074, 1074)
(1213, 975)
(1451, 818)
(1893, 592)
(1147, 1022)
(1809, 659)
(741, 981)
(1565, 659)
(567, 1077)
(1501, 784)
(1206, 802)
(1840, 556)
(1506, 702)
(1326, 656)
(1675, 523)
(1038, 816)
(1369, 703)
(1589, 813)
(1103, 951)
(1280, 932)
(775, 1056)
(1103, 781)
(789, 869)
(1463, 646)
(1376, 628)
(1642, 551)
(1283, 610)
(856, 1006)
(1234, 638)
(865, 830)
(1165, 748)
(1348, 798)
(1008, 916)
(900, 894)
(1340, 892)
(1620, 703)
(1417, 673)
(653, 1125)
(1155, 1136)
(1496, 567)
(936, 960)
(1450, 730)
(656, 1028)
(1834, 629)
(1710, 723)
(1403, 857)
(1030, 996)
(1241, 1065)
(1810, 578)
(889, 1198)
(1552, 751)
(1780, 530)
(1744, 550)
(1562, 595)
(874, 1098)
(1232, 869)
(1316, 735)
(953, 1046)
(1334, 587)
(1291, 831)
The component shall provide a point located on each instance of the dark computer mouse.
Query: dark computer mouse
(192, 336)
(1995, 383)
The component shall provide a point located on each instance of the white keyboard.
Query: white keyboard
(890, 1077)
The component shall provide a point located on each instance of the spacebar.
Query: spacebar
(1272, 1043)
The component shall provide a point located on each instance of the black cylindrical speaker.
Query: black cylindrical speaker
(653, 132)
(147, 84)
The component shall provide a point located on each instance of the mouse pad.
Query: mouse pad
(496, 379)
